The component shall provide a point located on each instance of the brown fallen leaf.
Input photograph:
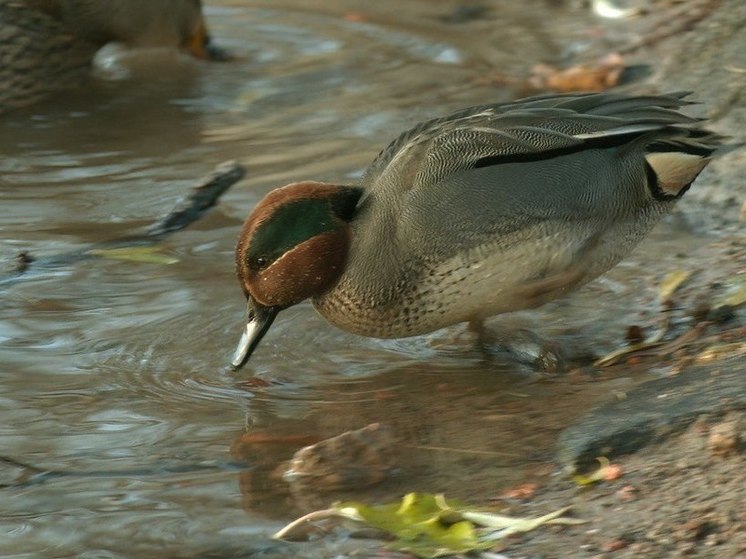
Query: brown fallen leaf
(606, 472)
(521, 492)
(355, 17)
(598, 76)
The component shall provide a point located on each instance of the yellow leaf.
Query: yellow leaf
(721, 351)
(605, 472)
(146, 254)
(672, 282)
(428, 526)
(737, 296)
(423, 524)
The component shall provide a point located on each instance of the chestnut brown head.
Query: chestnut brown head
(293, 246)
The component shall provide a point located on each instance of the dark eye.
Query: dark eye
(260, 262)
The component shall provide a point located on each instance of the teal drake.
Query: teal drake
(488, 210)
(48, 45)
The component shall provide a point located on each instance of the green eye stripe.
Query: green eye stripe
(288, 227)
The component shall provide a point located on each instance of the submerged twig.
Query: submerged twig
(202, 197)
(34, 475)
(188, 210)
(474, 451)
(654, 341)
(663, 348)
(298, 527)
(29, 473)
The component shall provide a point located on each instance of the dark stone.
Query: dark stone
(652, 412)
(719, 315)
(465, 13)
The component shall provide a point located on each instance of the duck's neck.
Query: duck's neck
(364, 300)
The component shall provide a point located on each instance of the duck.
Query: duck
(490, 209)
(49, 45)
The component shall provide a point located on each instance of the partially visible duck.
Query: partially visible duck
(487, 210)
(47, 45)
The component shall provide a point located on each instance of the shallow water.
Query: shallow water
(122, 429)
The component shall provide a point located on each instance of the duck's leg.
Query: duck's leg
(485, 338)
(529, 347)
(522, 344)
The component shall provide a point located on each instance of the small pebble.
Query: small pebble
(726, 437)
(635, 334)
(721, 314)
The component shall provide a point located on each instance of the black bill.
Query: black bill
(259, 321)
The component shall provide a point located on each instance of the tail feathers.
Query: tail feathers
(674, 162)
(673, 172)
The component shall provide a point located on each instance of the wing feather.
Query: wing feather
(544, 124)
